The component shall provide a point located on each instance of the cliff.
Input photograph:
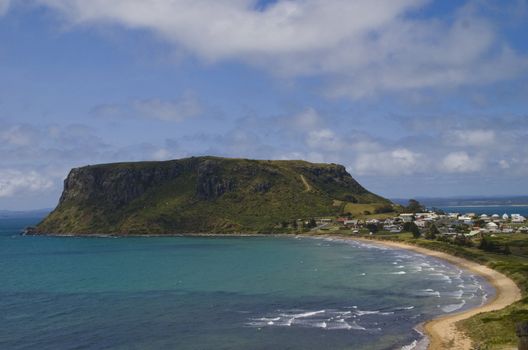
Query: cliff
(200, 194)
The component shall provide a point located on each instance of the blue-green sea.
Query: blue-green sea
(488, 209)
(219, 293)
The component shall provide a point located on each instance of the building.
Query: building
(517, 218)
(492, 227)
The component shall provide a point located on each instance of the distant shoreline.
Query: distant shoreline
(483, 205)
(442, 330)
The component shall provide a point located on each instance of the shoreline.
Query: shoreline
(442, 332)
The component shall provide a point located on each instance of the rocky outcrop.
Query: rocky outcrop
(210, 184)
(199, 194)
(115, 186)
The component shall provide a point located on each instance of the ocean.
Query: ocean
(219, 293)
(488, 209)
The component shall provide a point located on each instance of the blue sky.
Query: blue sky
(414, 97)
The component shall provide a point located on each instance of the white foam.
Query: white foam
(323, 319)
(410, 346)
(455, 294)
(453, 307)
(428, 292)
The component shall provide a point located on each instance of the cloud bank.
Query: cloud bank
(359, 48)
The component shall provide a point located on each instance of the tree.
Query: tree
(487, 245)
(412, 228)
(407, 226)
(414, 206)
(432, 232)
(372, 228)
(311, 223)
(415, 231)
(506, 250)
(294, 224)
(462, 240)
(387, 208)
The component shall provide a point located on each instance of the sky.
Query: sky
(414, 97)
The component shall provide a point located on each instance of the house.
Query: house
(324, 220)
(473, 233)
(407, 217)
(392, 228)
(465, 219)
(420, 223)
(341, 220)
(517, 218)
(351, 223)
(492, 227)
(505, 216)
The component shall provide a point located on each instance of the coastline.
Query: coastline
(442, 332)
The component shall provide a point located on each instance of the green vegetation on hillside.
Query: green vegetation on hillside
(203, 194)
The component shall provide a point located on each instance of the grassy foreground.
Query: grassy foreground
(491, 330)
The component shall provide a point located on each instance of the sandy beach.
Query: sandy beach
(442, 332)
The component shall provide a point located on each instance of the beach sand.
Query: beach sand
(442, 331)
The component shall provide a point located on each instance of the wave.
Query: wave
(453, 307)
(427, 293)
(323, 319)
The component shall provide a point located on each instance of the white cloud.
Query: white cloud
(19, 135)
(477, 137)
(324, 139)
(398, 161)
(4, 6)
(161, 154)
(461, 162)
(306, 120)
(13, 182)
(361, 47)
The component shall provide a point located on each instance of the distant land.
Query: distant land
(204, 195)
(467, 201)
(6, 214)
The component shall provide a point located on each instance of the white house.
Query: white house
(492, 227)
(505, 216)
(517, 219)
(406, 217)
(420, 223)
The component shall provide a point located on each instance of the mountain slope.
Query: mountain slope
(200, 194)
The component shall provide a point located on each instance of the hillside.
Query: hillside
(201, 194)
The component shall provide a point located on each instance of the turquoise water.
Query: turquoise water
(489, 209)
(218, 293)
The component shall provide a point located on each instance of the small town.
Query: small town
(428, 223)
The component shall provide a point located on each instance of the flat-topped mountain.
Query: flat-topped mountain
(201, 195)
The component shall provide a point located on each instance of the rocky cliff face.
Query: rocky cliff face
(203, 194)
(114, 186)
